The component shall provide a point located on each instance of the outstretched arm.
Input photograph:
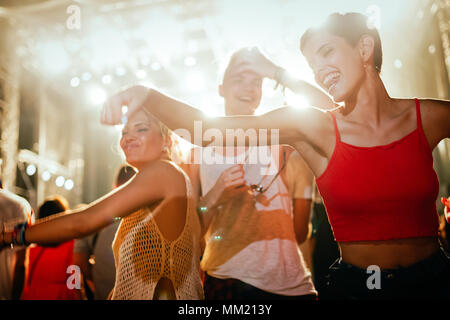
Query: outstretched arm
(121, 202)
(287, 124)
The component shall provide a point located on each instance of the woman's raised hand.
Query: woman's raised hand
(133, 99)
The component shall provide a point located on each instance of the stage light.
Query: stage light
(120, 71)
(374, 17)
(296, 100)
(68, 185)
(145, 61)
(156, 66)
(97, 95)
(141, 74)
(268, 90)
(46, 175)
(31, 169)
(195, 82)
(86, 76)
(106, 79)
(75, 82)
(190, 61)
(52, 57)
(60, 181)
(110, 48)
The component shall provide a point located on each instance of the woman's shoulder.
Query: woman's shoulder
(166, 172)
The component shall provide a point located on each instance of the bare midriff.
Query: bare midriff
(388, 254)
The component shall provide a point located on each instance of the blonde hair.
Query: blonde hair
(174, 150)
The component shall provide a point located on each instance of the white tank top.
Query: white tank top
(254, 242)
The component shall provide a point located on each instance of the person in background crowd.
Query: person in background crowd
(94, 253)
(13, 210)
(46, 267)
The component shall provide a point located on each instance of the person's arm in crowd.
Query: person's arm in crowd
(286, 125)
(300, 182)
(257, 62)
(119, 203)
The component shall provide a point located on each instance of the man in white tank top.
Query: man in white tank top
(254, 215)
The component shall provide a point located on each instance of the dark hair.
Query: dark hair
(52, 205)
(350, 26)
(1, 184)
(124, 174)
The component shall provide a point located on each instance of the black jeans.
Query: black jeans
(229, 289)
(427, 279)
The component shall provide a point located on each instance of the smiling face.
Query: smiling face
(142, 140)
(338, 66)
(241, 91)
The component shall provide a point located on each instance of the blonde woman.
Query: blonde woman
(156, 247)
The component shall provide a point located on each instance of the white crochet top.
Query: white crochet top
(143, 256)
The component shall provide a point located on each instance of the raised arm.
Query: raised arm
(121, 202)
(255, 61)
(287, 123)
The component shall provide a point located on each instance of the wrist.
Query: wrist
(279, 75)
(208, 202)
(274, 72)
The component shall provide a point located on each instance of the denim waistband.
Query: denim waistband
(432, 265)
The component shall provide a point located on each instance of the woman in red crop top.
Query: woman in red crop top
(371, 156)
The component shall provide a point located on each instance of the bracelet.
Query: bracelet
(23, 228)
(19, 229)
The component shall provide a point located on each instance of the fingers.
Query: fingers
(234, 177)
(133, 98)
(111, 113)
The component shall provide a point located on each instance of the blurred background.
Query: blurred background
(60, 60)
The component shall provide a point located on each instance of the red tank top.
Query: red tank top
(47, 273)
(382, 192)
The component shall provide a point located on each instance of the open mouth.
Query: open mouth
(129, 147)
(245, 99)
(331, 80)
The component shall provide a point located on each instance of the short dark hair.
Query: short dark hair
(350, 26)
(52, 205)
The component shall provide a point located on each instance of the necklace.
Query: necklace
(259, 187)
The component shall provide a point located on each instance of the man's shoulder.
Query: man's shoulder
(12, 203)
